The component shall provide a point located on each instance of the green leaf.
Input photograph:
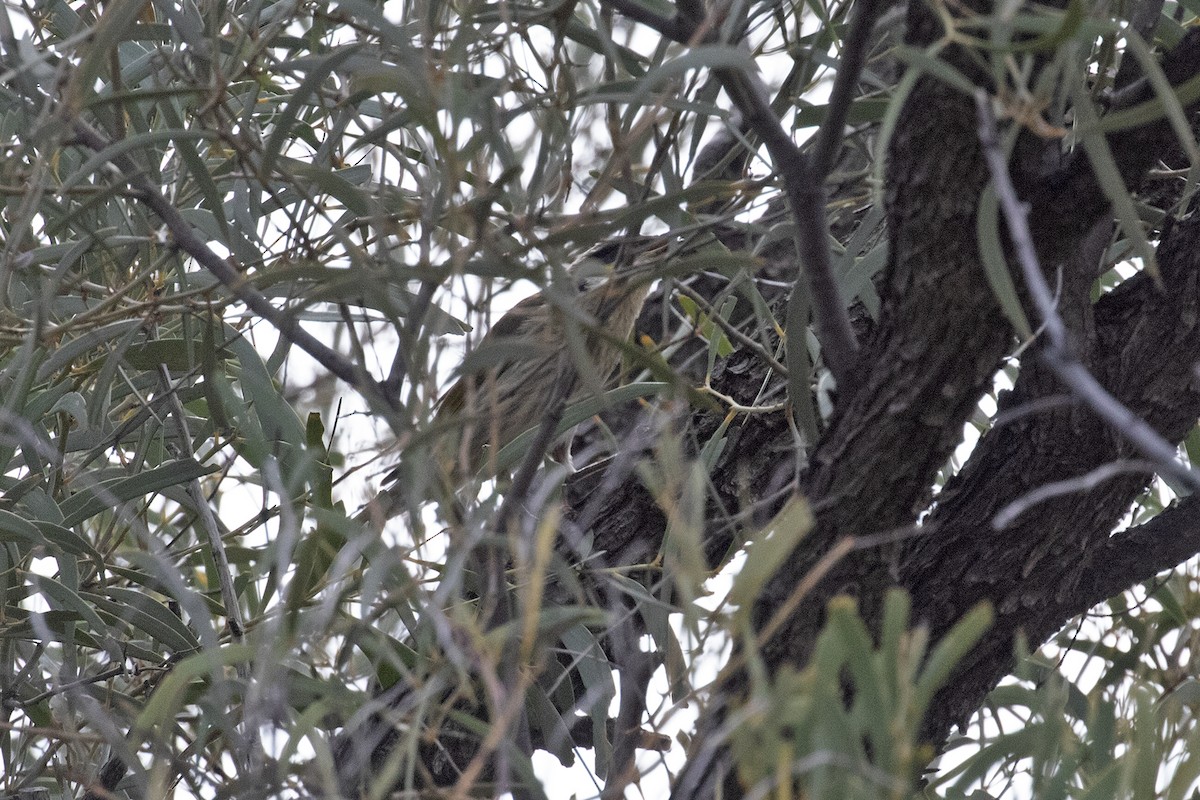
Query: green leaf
(178, 355)
(279, 420)
(862, 111)
(1104, 166)
(127, 147)
(595, 672)
(392, 659)
(285, 122)
(172, 693)
(107, 495)
(19, 530)
(66, 540)
(65, 354)
(61, 598)
(329, 182)
(114, 26)
(322, 471)
(927, 62)
(995, 265)
(769, 548)
(712, 57)
(1185, 94)
(546, 719)
(800, 363)
(73, 404)
(149, 616)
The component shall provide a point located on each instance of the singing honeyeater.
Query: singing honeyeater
(553, 345)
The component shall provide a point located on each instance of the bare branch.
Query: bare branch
(854, 52)
(1077, 485)
(839, 347)
(676, 28)
(190, 242)
(1056, 351)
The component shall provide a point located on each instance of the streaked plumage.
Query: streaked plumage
(487, 409)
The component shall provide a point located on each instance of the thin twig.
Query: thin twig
(854, 52)
(732, 331)
(737, 408)
(1055, 350)
(87, 680)
(1078, 484)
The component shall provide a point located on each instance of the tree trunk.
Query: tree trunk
(939, 341)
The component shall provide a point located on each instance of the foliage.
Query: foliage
(186, 585)
(801, 730)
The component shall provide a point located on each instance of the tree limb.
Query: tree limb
(853, 57)
(1056, 350)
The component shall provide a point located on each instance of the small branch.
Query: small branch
(854, 53)
(801, 184)
(737, 408)
(87, 680)
(806, 197)
(208, 520)
(635, 668)
(676, 28)
(1140, 553)
(1082, 483)
(732, 331)
(187, 239)
(1056, 351)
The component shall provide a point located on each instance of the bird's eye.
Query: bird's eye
(589, 272)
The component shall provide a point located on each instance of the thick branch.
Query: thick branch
(1056, 560)
(1056, 350)
(1138, 554)
(939, 340)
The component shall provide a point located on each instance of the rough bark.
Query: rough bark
(934, 352)
(1045, 567)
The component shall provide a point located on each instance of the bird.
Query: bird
(550, 346)
(545, 348)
